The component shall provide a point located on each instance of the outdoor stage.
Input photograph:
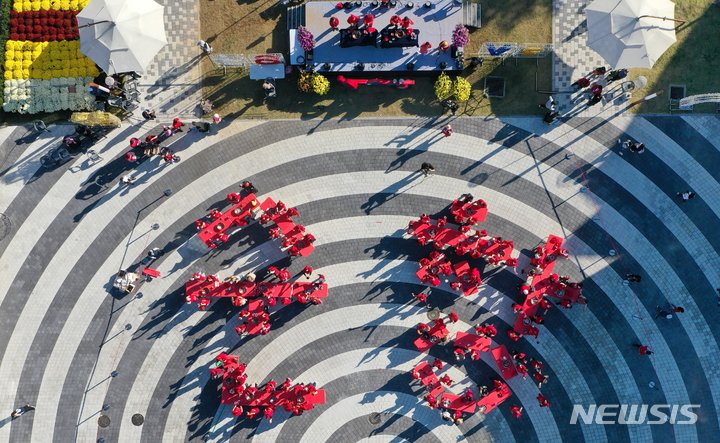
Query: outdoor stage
(431, 24)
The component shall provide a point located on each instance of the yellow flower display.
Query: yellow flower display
(46, 5)
(46, 60)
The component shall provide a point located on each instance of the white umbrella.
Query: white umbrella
(121, 35)
(630, 33)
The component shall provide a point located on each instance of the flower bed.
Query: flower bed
(43, 26)
(44, 70)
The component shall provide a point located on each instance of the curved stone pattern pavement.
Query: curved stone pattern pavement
(77, 350)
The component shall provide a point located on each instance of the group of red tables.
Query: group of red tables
(297, 398)
(296, 239)
(430, 381)
(469, 213)
(545, 284)
(216, 231)
(261, 295)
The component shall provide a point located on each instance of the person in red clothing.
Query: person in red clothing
(469, 397)
(499, 385)
(525, 289)
(307, 271)
(536, 364)
(200, 224)
(474, 355)
(643, 350)
(437, 363)
(447, 130)
(415, 374)
(242, 329)
(522, 370)
(456, 286)
(240, 380)
(544, 402)
(275, 233)
(434, 281)
(353, 20)
(516, 411)
(216, 372)
(453, 317)
(406, 22)
(270, 386)
(513, 335)
(540, 378)
(288, 407)
(432, 401)
(395, 20)
(545, 304)
(269, 411)
(237, 411)
(204, 303)
(420, 297)
(177, 124)
(519, 356)
(447, 380)
(423, 328)
(441, 222)
(516, 308)
(459, 353)
(424, 219)
(490, 331)
(284, 275)
(285, 386)
(252, 412)
(565, 303)
(265, 328)
(280, 207)
(134, 142)
(334, 23)
(310, 238)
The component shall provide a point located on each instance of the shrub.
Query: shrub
(461, 89)
(321, 85)
(443, 87)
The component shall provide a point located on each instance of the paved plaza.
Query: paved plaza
(100, 365)
(74, 345)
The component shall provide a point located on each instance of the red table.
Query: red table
(429, 379)
(472, 341)
(424, 344)
(505, 362)
(463, 272)
(547, 261)
(523, 325)
(502, 249)
(458, 403)
(429, 232)
(469, 210)
(212, 232)
(493, 399)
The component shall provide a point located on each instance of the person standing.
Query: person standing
(685, 196)
(21, 410)
(427, 168)
(516, 411)
(550, 104)
(447, 130)
(662, 313)
(205, 46)
(643, 350)
(307, 272)
(149, 114)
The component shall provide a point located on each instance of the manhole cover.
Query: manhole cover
(374, 418)
(434, 314)
(137, 419)
(495, 86)
(677, 92)
(104, 421)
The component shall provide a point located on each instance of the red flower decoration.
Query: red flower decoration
(14, 36)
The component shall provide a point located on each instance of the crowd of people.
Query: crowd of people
(294, 398)
(140, 150)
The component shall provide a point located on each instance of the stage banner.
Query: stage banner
(497, 49)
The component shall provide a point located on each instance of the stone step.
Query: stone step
(471, 14)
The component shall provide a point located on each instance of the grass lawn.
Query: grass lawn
(692, 61)
(233, 26)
